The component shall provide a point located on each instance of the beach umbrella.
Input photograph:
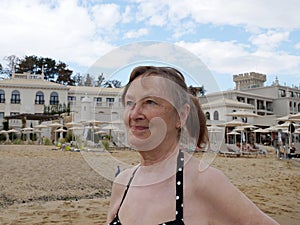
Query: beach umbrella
(234, 133)
(295, 116)
(73, 124)
(233, 123)
(76, 128)
(100, 132)
(214, 129)
(27, 131)
(94, 122)
(260, 130)
(110, 127)
(13, 131)
(40, 126)
(286, 125)
(55, 125)
(242, 113)
(250, 126)
(5, 132)
(61, 131)
(290, 118)
(119, 121)
(297, 131)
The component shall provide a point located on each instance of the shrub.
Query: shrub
(105, 144)
(47, 141)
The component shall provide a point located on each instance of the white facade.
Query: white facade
(29, 94)
(270, 102)
(26, 93)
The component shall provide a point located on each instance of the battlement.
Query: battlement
(249, 80)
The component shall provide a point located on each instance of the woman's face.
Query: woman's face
(149, 114)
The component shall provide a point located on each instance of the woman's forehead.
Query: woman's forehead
(151, 86)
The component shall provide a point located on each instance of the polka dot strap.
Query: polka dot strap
(179, 186)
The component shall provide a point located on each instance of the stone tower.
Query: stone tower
(249, 80)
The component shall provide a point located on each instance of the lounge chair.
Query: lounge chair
(231, 151)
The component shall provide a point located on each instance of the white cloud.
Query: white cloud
(127, 15)
(63, 31)
(136, 33)
(232, 58)
(269, 40)
(106, 16)
(297, 46)
(252, 14)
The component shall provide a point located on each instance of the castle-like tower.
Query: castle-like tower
(249, 80)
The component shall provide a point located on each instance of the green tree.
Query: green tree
(64, 74)
(112, 83)
(78, 79)
(28, 64)
(12, 63)
(197, 90)
(100, 80)
(88, 80)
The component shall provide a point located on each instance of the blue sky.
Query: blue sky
(229, 37)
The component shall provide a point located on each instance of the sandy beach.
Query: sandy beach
(40, 185)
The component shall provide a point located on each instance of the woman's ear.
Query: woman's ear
(183, 114)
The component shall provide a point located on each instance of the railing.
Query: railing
(39, 102)
(15, 101)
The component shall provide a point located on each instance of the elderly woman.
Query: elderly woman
(168, 186)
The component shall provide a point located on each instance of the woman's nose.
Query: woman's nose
(136, 112)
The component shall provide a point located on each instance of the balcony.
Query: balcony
(53, 102)
(39, 102)
(15, 101)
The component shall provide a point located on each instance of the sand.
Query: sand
(40, 185)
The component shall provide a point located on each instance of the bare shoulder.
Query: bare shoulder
(205, 177)
(118, 189)
(225, 203)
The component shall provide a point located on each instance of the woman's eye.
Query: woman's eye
(129, 103)
(150, 102)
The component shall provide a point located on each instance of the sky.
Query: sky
(228, 37)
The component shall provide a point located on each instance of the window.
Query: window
(2, 96)
(241, 99)
(110, 101)
(71, 98)
(54, 98)
(98, 101)
(39, 98)
(299, 107)
(1, 115)
(207, 115)
(15, 97)
(216, 115)
(282, 93)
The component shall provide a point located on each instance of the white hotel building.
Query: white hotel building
(28, 94)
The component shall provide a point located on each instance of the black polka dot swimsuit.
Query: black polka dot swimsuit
(179, 195)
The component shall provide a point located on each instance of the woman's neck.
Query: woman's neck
(158, 154)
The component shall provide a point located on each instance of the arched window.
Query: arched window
(39, 98)
(15, 97)
(2, 96)
(54, 98)
(216, 115)
(207, 115)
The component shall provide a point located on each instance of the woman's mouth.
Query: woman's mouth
(139, 128)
